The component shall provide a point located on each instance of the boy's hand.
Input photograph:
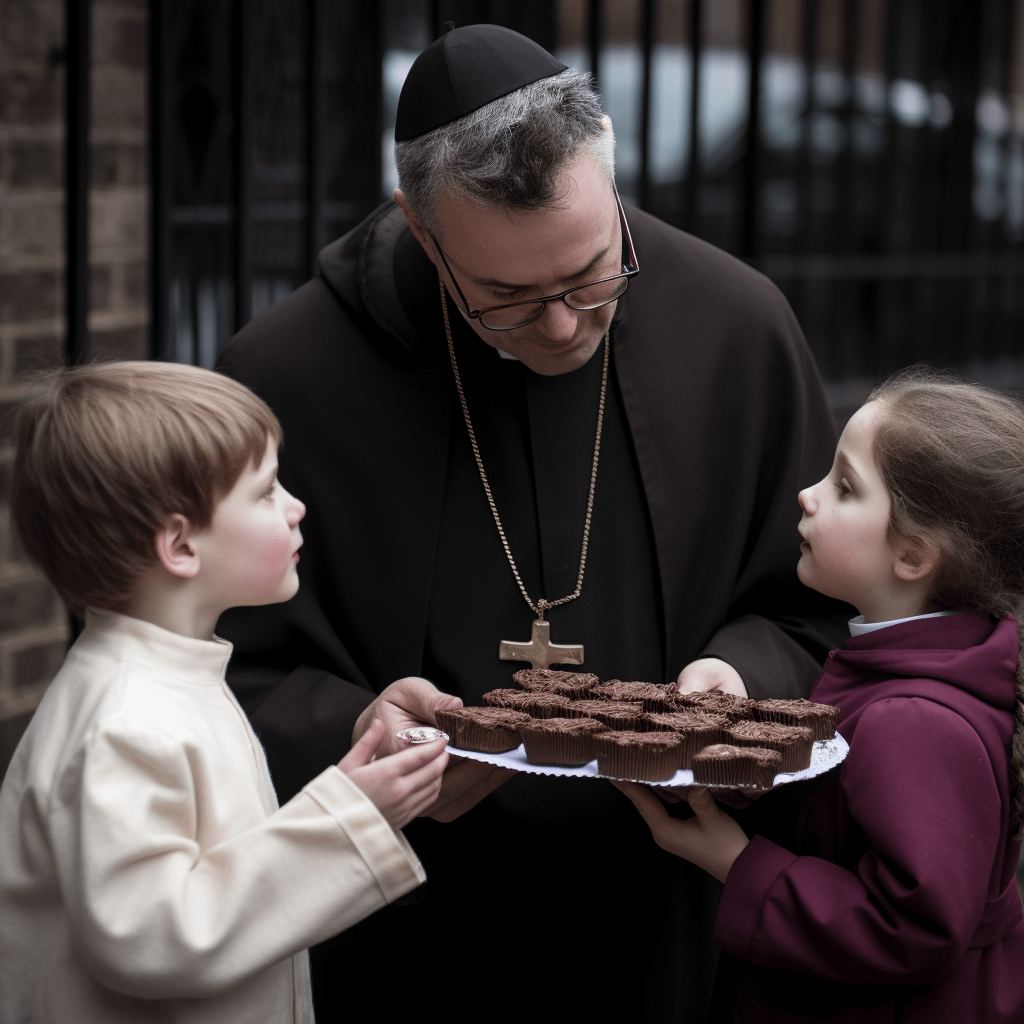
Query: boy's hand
(410, 702)
(711, 674)
(711, 840)
(401, 786)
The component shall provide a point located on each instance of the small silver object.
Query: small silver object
(422, 734)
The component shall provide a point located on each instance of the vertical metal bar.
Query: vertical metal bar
(595, 37)
(693, 175)
(647, 34)
(159, 175)
(751, 189)
(243, 163)
(78, 17)
(809, 48)
(845, 230)
(314, 120)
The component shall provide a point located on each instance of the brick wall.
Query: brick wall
(33, 623)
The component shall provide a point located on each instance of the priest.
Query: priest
(530, 426)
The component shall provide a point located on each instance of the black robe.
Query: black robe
(716, 419)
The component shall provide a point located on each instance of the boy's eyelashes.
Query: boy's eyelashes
(270, 490)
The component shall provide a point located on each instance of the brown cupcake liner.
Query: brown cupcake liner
(748, 767)
(641, 762)
(562, 749)
(795, 750)
(467, 734)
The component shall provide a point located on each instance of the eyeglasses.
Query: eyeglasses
(587, 296)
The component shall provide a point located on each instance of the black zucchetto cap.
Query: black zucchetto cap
(465, 69)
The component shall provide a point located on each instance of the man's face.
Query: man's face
(499, 255)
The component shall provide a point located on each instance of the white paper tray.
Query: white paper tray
(825, 756)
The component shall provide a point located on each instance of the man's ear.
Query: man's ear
(916, 559)
(418, 230)
(176, 549)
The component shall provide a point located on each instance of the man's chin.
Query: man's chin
(555, 361)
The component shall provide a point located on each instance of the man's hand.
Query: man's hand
(402, 786)
(711, 840)
(711, 674)
(404, 704)
(413, 701)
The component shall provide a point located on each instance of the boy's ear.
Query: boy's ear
(916, 560)
(175, 548)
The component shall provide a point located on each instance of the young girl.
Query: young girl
(884, 890)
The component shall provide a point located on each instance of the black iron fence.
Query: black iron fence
(868, 155)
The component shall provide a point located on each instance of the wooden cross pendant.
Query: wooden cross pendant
(540, 652)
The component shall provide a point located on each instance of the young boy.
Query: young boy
(146, 871)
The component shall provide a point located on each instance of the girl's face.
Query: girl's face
(846, 552)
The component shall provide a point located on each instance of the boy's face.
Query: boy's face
(846, 552)
(249, 553)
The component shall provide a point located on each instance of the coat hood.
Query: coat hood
(966, 651)
(359, 268)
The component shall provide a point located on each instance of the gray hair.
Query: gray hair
(508, 152)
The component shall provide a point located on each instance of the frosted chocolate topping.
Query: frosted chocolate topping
(770, 731)
(716, 700)
(617, 689)
(545, 680)
(685, 721)
(821, 719)
(792, 742)
(493, 717)
(628, 738)
(596, 708)
(760, 756)
(565, 726)
(537, 705)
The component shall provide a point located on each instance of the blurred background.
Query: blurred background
(168, 170)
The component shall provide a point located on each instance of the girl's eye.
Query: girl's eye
(843, 488)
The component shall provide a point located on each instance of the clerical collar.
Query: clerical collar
(858, 626)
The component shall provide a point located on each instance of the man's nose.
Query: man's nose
(558, 321)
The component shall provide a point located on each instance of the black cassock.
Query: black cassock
(714, 419)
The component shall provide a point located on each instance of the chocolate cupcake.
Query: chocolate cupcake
(616, 714)
(697, 729)
(573, 685)
(722, 764)
(564, 742)
(821, 719)
(536, 705)
(488, 730)
(792, 742)
(653, 696)
(717, 702)
(641, 756)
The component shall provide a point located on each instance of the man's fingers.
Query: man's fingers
(420, 699)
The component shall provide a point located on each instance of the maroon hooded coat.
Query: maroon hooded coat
(888, 884)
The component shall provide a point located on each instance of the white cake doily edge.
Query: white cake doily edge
(824, 757)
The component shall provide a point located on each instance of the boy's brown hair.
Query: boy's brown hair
(107, 453)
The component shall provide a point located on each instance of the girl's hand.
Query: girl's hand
(711, 840)
(403, 785)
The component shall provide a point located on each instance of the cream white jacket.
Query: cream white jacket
(146, 872)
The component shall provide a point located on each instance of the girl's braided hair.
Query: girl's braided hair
(952, 455)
